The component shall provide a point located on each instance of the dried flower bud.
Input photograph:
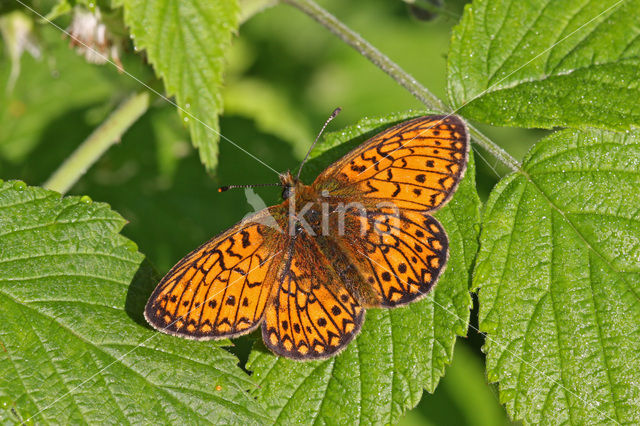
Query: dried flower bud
(92, 39)
(17, 31)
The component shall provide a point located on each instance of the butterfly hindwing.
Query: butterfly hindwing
(400, 254)
(220, 289)
(416, 164)
(312, 316)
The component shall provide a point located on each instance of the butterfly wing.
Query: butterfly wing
(312, 315)
(399, 254)
(416, 165)
(220, 289)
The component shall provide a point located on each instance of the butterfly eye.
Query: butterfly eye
(286, 192)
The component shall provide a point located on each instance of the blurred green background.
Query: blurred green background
(285, 75)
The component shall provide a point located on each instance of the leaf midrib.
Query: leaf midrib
(78, 253)
(554, 308)
(492, 89)
(56, 222)
(602, 348)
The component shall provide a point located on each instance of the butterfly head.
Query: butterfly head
(290, 184)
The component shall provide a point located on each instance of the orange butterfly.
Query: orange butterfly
(358, 237)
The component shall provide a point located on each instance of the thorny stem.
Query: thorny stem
(89, 151)
(403, 78)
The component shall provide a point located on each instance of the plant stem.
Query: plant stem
(107, 134)
(494, 149)
(365, 48)
(403, 78)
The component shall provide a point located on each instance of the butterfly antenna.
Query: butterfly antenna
(326, 123)
(228, 187)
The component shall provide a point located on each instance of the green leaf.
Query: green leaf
(400, 351)
(74, 345)
(559, 278)
(186, 42)
(548, 63)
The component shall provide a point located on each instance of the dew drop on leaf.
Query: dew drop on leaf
(132, 246)
(19, 185)
(492, 376)
(489, 326)
(507, 395)
(85, 199)
(5, 401)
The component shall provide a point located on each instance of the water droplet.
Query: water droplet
(507, 395)
(492, 375)
(5, 401)
(187, 105)
(131, 246)
(488, 326)
(85, 199)
(19, 185)
(186, 119)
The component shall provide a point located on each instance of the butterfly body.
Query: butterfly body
(306, 270)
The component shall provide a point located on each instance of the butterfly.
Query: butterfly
(305, 271)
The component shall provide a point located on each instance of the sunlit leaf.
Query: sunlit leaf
(559, 278)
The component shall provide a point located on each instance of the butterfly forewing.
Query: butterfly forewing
(220, 289)
(416, 165)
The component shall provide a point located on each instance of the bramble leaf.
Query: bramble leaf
(559, 278)
(74, 347)
(572, 63)
(186, 42)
